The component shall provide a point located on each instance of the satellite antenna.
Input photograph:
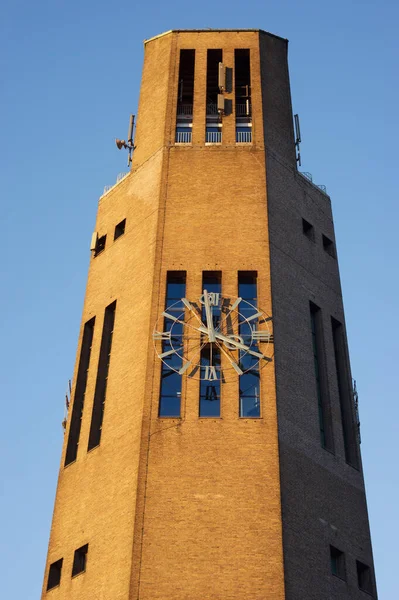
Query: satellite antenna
(129, 145)
(297, 139)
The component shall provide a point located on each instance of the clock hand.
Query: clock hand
(209, 320)
(224, 338)
(188, 305)
(233, 364)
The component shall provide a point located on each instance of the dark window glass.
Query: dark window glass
(185, 97)
(249, 382)
(212, 283)
(120, 229)
(328, 246)
(80, 391)
(320, 370)
(170, 393)
(213, 132)
(209, 405)
(54, 574)
(345, 393)
(308, 230)
(100, 246)
(102, 376)
(337, 562)
(364, 578)
(243, 104)
(210, 390)
(79, 560)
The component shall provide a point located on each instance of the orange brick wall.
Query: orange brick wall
(175, 508)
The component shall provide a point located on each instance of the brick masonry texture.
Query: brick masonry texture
(226, 508)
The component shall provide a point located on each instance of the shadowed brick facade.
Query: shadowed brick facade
(222, 508)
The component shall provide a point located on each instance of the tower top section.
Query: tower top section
(215, 89)
(262, 31)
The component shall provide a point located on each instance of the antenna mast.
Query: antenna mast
(297, 139)
(129, 145)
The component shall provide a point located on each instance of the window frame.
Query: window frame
(80, 553)
(340, 561)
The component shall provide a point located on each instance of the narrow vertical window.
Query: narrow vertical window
(80, 391)
(100, 245)
(213, 134)
(209, 405)
(102, 376)
(337, 563)
(209, 387)
(170, 393)
(243, 96)
(185, 97)
(320, 370)
(119, 229)
(364, 578)
(345, 393)
(79, 560)
(250, 380)
(54, 574)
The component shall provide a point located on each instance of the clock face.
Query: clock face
(213, 337)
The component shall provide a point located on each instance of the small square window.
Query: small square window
(308, 229)
(328, 246)
(54, 574)
(120, 229)
(337, 561)
(100, 246)
(364, 579)
(79, 560)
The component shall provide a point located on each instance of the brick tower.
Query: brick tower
(212, 447)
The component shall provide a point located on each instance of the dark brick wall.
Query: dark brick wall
(323, 498)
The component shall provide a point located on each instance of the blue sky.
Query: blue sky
(70, 76)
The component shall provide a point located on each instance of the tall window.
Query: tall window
(185, 98)
(243, 96)
(249, 381)
(213, 121)
(170, 393)
(345, 392)
(209, 405)
(102, 377)
(320, 370)
(80, 391)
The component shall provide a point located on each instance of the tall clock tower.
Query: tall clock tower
(212, 445)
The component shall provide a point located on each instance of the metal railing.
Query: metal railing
(243, 137)
(184, 109)
(119, 178)
(309, 177)
(183, 137)
(213, 137)
(243, 109)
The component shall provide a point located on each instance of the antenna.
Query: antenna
(129, 145)
(130, 132)
(297, 139)
(221, 77)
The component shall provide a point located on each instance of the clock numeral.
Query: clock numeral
(185, 367)
(161, 335)
(210, 373)
(168, 353)
(255, 316)
(214, 298)
(168, 316)
(261, 336)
